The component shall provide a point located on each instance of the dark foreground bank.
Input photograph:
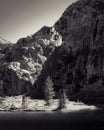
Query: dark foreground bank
(83, 120)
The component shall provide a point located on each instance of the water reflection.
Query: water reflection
(53, 121)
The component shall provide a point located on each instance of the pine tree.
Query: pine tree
(49, 93)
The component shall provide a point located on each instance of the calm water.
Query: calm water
(53, 121)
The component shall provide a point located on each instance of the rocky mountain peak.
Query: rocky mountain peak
(50, 34)
(23, 62)
(47, 34)
(3, 41)
(83, 20)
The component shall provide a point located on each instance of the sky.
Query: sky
(20, 18)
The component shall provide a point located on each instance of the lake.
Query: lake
(82, 120)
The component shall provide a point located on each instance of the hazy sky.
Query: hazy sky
(19, 18)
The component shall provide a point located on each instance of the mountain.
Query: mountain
(3, 41)
(78, 64)
(71, 53)
(4, 46)
(82, 29)
(21, 64)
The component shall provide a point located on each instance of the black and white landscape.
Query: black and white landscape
(55, 76)
(58, 68)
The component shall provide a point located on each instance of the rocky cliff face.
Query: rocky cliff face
(21, 64)
(78, 64)
(82, 27)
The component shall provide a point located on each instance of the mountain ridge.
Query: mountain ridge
(21, 63)
(3, 41)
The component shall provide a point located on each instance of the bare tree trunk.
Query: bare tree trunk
(24, 101)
